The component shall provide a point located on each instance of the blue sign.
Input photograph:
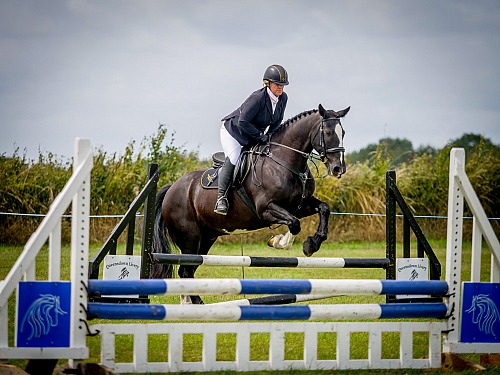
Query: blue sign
(43, 314)
(480, 312)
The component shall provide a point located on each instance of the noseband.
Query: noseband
(322, 144)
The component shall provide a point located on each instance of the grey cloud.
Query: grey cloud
(113, 70)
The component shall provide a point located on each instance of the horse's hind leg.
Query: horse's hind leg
(187, 272)
(276, 214)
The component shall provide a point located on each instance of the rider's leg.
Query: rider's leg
(225, 177)
(232, 150)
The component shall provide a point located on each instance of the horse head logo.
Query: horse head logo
(42, 314)
(484, 313)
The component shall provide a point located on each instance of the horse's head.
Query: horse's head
(329, 141)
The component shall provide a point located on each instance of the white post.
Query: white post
(55, 252)
(30, 274)
(477, 240)
(481, 220)
(79, 249)
(454, 246)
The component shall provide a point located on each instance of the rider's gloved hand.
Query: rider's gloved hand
(264, 138)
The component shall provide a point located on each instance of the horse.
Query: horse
(279, 185)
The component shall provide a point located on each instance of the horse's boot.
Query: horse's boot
(225, 177)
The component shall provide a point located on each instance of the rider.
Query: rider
(246, 126)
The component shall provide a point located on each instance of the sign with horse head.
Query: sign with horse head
(43, 314)
(480, 312)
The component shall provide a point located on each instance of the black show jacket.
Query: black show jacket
(247, 123)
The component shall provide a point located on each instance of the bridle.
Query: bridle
(303, 176)
(322, 144)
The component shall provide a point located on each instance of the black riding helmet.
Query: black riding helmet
(277, 74)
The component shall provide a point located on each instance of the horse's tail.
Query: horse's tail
(161, 243)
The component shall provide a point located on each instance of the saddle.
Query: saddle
(210, 177)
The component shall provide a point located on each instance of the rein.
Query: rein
(303, 176)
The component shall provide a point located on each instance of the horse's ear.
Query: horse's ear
(322, 111)
(343, 112)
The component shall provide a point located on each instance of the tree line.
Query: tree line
(30, 186)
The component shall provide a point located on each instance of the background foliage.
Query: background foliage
(29, 186)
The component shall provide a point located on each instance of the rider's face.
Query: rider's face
(276, 89)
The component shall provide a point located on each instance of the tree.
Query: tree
(470, 141)
(394, 150)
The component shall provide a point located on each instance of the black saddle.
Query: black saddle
(210, 177)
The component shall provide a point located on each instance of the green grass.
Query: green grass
(259, 351)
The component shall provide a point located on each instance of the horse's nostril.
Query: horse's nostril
(336, 170)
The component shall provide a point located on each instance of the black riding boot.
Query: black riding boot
(225, 177)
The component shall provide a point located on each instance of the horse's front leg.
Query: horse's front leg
(313, 243)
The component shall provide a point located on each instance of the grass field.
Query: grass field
(157, 347)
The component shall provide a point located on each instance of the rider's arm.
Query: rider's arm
(250, 111)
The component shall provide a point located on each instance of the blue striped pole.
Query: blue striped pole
(257, 312)
(249, 261)
(276, 299)
(265, 286)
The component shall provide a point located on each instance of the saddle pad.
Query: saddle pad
(210, 179)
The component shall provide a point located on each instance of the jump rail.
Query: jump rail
(250, 261)
(256, 312)
(266, 286)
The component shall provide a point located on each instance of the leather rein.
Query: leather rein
(303, 176)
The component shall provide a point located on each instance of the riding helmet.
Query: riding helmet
(277, 74)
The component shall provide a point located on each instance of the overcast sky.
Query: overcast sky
(112, 71)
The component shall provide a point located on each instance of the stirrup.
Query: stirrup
(221, 206)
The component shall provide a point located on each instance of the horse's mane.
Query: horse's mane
(294, 119)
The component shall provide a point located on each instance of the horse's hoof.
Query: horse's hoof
(191, 300)
(274, 240)
(294, 227)
(197, 300)
(308, 247)
(185, 300)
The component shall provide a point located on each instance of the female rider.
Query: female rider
(246, 126)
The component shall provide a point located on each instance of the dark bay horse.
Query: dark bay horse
(279, 184)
